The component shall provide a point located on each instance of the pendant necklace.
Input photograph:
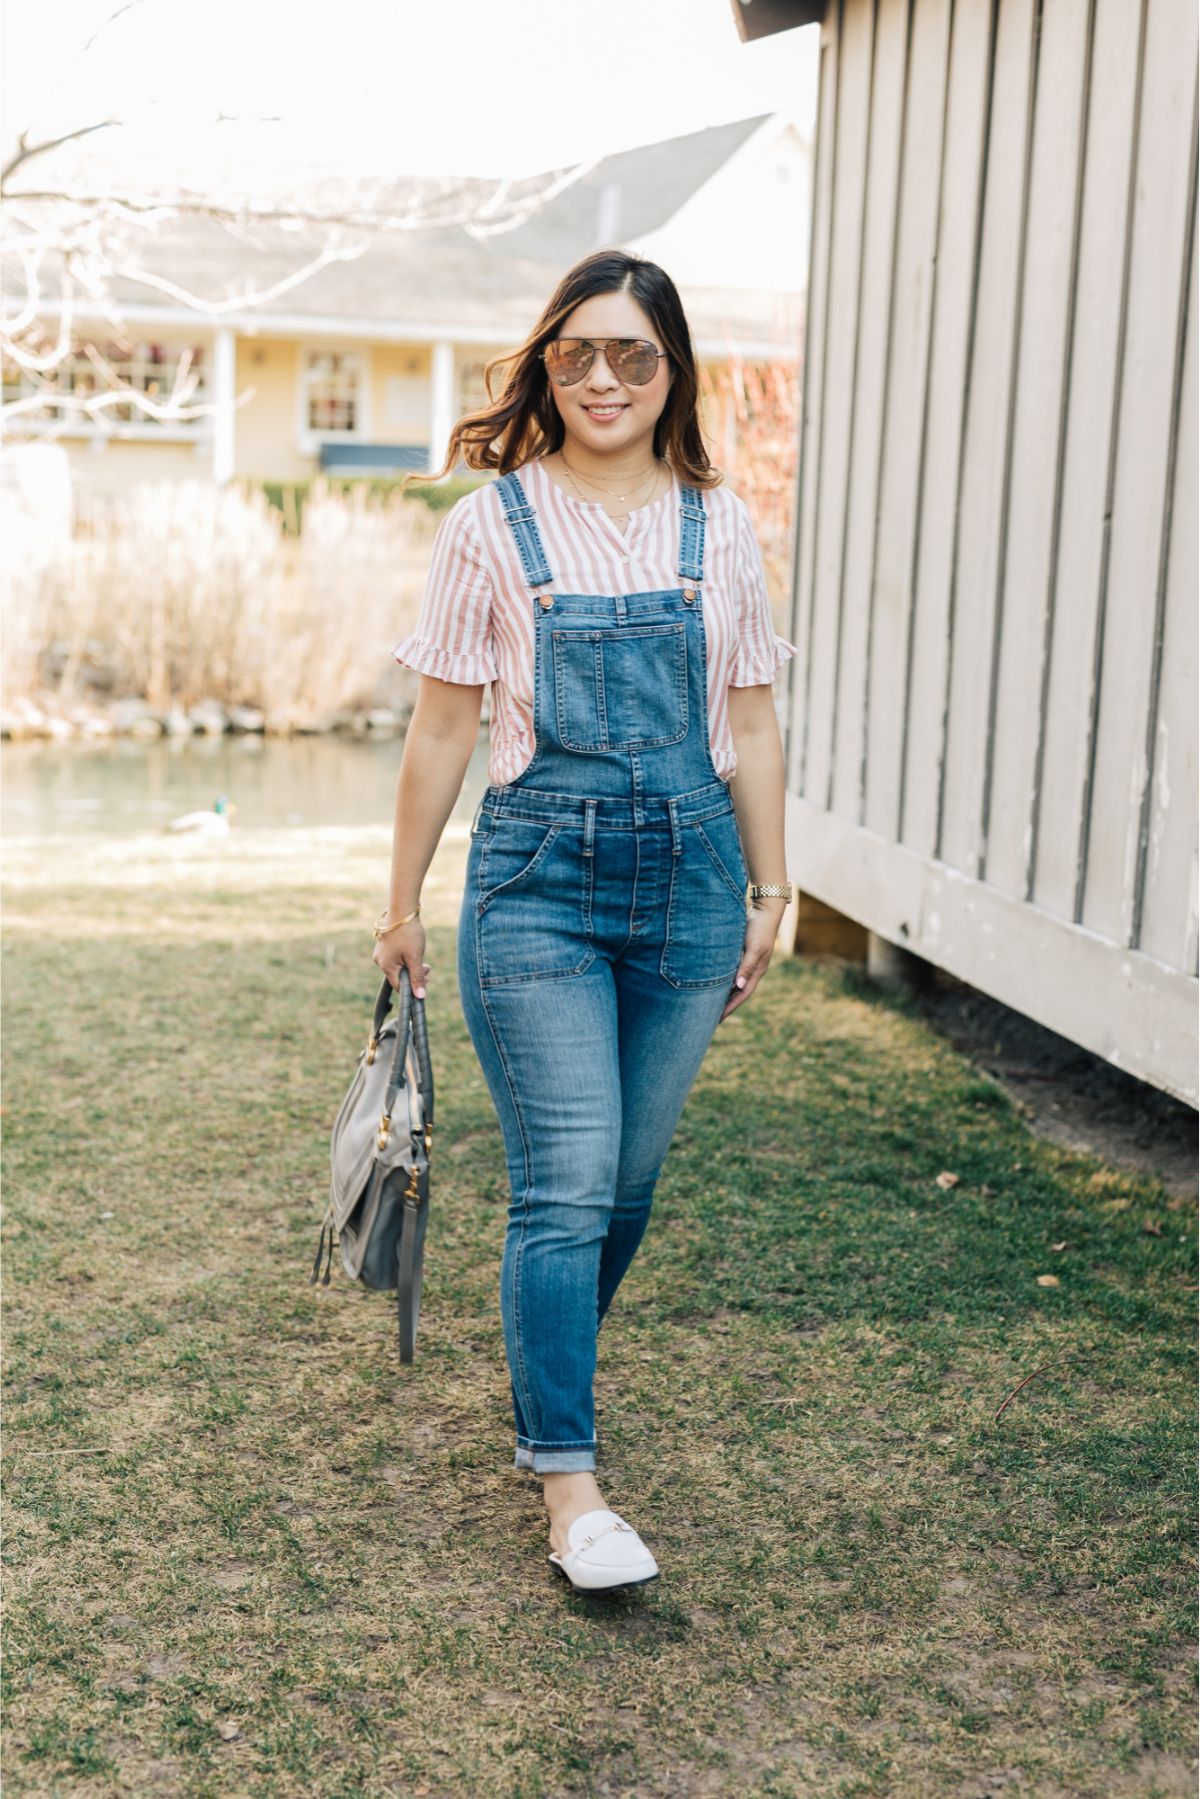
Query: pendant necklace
(636, 490)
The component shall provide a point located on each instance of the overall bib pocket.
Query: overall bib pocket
(532, 902)
(622, 688)
(706, 911)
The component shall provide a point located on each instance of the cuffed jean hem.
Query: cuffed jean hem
(580, 1460)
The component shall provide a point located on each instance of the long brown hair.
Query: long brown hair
(523, 421)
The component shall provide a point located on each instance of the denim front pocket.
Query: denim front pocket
(706, 910)
(621, 689)
(532, 911)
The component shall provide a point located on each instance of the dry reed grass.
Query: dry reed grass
(180, 591)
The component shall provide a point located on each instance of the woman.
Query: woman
(611, 590)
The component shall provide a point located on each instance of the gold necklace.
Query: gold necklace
(617, 517)
(613, 492)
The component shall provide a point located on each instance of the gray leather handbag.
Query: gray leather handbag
(379, 1160)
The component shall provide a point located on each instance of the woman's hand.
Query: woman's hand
(762, 927)
(403, 948)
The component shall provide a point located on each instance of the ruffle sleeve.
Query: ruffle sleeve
(452, 638)
(760, 650)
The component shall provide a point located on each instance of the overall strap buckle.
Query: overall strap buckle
(522, 521)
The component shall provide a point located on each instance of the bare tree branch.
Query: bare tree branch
(239, 302)
(111, 20)
(26, 151)
(71, 244)
(487, 217)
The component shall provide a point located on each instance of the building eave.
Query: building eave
(315, 325)
(763, 18)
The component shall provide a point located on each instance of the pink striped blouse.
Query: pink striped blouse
(476, 618)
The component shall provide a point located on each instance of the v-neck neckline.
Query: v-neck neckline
(595, 508)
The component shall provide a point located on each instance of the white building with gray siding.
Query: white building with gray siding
(992, 724)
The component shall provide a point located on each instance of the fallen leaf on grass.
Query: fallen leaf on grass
(1152, 1228)
(946, 1179)
(1061, 1245)
(1048, 1280)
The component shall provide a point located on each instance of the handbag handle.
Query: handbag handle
(420, 1035)
(411, 1026)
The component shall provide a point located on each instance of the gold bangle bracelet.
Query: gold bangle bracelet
(381, 929)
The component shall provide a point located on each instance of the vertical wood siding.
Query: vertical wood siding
(996, 557)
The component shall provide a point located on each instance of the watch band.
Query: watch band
(771, 889)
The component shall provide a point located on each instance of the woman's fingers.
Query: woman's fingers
(749, 974)
(395, 957)
(756, 959)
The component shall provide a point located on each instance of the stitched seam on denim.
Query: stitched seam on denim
(538, 1443)
(704, 735)
(637, 870)
(678, 980)
(486, 894)
(712, 980)
(541, 974)
(601, 695)
(588, 858)
(524, 1136)
(738, 892)
(539, 741)
(686, 535)
(680, 677)
(525, 530)
(508, 500)
(671, 893)
(559, 815)
(650, 910)
(533, 974)
(520, 1375)
(693, 517)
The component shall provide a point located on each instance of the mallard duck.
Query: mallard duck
(211, 824)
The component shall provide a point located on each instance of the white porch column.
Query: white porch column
(442, 411)
(224, 382)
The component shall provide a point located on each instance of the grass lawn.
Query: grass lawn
(248, 1553)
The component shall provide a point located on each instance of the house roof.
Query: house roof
(397, 282)
(626, 195)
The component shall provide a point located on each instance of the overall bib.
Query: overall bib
(602, 925)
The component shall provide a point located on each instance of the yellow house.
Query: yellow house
(304, 361)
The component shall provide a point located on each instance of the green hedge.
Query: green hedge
(289, 497)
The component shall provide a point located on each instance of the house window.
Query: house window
(144, 366)
(333, 390)
(472, 389)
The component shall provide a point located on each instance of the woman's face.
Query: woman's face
(600, 413)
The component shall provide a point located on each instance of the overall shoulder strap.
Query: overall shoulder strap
(523, 521)
(692, 516)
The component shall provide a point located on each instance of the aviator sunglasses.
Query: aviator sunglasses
(631, 359)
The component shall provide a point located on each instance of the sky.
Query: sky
(380, 87)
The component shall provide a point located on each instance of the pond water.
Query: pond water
(129, 785)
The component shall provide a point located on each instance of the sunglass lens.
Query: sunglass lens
(567, 360)
(634, 361)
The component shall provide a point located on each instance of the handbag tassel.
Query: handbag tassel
(326, 1224)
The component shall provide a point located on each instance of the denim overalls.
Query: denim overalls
(602, 926)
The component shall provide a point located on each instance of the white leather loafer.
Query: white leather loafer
(603, 1551)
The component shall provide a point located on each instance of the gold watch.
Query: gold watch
(771, 890)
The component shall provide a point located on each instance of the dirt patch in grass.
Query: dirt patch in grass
(1066, 1094)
